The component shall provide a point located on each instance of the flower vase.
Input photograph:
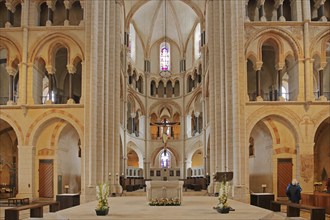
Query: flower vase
(224, 210)
(102, 211)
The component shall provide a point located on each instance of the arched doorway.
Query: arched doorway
(272, 155)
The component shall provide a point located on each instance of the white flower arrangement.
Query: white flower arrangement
(102, 193)
(223, 195)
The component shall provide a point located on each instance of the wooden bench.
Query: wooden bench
(36, 210)
(17, 201)
(293, 209)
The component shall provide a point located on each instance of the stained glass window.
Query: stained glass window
(165, 64)
(165, 159)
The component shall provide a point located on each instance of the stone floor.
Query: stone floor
(196, 205)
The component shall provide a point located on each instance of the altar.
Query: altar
(164, 189)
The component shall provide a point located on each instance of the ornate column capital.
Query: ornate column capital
(67, 4)
(10, 7)
(50, 69)
(260, 3)
(51, 4)
(11, 70)
(71, 68)
(278, 3)
(258, 65)
(279, 66)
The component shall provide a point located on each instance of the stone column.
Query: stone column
(306, 9)
(247, 19)
(279, 6)
(11, 72)
(26, 171)
(279, 67)
(261, 7)
(258, 87)
(10, 14)
(133, 115)
(71, 70)
(51, 72)
(319, 5)
(321, 70)
(197, 121)
(51, 7)
(188, 125)
(142, 121)
(67, 5)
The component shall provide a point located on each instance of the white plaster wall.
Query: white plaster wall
(69, 164)
(139, 56)
(190, 54)
(260, 165)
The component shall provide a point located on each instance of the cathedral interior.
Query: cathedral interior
(124, 91)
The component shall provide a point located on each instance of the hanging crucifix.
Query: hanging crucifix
(165, 126)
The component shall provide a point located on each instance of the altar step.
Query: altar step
(141, 192)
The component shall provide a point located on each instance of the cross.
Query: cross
(164, 124)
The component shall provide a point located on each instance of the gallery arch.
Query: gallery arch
(61, 171)
(272, 145)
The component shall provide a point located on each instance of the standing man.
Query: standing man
(293, 191)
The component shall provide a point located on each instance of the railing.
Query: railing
(325, 94)
(271, 96)
(4, 100)
(57, 99)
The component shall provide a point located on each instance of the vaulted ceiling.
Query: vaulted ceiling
(155, 19)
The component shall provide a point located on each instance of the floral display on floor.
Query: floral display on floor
(165, 202)
(223, 206)
(102, 194)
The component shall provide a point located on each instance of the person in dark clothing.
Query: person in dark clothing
(293, 191)
(328, 186)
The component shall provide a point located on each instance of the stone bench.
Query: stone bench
(36, 210)
(293, 209)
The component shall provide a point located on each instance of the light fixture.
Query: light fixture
(165, 70)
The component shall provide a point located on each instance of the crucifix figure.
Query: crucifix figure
(165, 125)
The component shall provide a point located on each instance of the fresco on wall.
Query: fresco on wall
(306, 167)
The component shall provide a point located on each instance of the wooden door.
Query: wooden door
(284, 175)
(46, 179)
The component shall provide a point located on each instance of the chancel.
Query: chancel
(164, 90)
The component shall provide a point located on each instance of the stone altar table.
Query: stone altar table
(164, 189)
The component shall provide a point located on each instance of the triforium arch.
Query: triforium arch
(48, 45)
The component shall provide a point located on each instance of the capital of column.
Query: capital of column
(322, 65)
(11, 70)
(67, 4)
(10, 7)
(260, 3)
(318, 3)
(197, 114)
(51, 4)
(50, 69)
(279, 66)
(71, 68)
(133, 114)
(258, 65)
(278, 3)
